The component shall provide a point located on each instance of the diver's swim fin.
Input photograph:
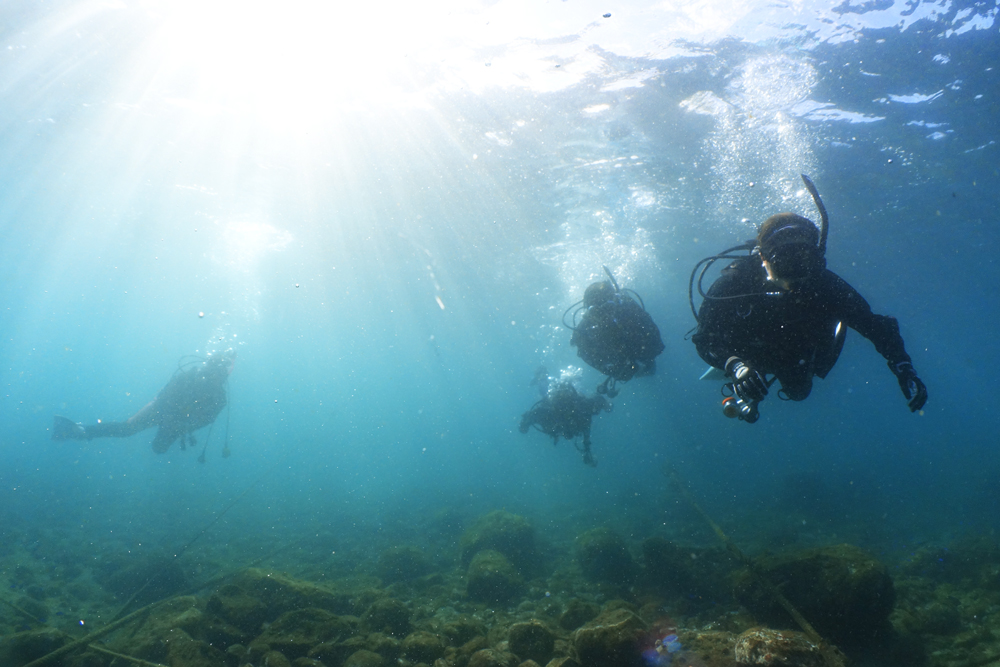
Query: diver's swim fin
(67, 429)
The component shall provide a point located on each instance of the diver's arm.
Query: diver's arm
(717, 319)
(881, 330)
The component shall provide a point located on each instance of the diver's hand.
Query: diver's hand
(913, 389)
(748, 384)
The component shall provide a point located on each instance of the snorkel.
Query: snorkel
(824, 226)
(613, 281)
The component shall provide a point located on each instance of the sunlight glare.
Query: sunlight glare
(289, 62)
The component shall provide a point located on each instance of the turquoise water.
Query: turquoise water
(386, 216)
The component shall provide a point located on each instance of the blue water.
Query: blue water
(389, 237)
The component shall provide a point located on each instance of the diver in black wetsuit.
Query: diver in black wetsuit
(564, 412)
(192, 399)
(615, 336)
(780, 311)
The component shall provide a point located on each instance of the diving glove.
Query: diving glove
(913, 389)
(748, 384)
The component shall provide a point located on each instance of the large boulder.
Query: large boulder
(491, 657)
(577, 613)
(491, 578)
(842, 590)
(296, 633)
(280, 593)
(613, 638)
(783, 648)
(501, 531)
(463, 629)
(604, 557)
(532, 640)
(423, 646)
(387, 615)
(234, 606)
(364, 658)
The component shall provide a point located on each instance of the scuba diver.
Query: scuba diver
(564, 412)
(615, 336)
(778, 310)
(192, 399)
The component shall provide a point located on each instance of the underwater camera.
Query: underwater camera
(733, 406)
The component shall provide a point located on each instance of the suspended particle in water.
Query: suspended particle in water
(608, 15)
(296, 285)
(201, 314)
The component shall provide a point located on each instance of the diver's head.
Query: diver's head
(598, 293)
(789, 248)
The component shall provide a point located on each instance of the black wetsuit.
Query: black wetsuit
(791, 334)
(192, 399)
(618, 338)
(566, 413)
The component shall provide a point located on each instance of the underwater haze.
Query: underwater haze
(385, 210)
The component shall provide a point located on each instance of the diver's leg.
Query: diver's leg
(110, 430)
(588, 458)
(67, 429)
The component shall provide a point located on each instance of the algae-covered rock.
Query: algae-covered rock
(492, 578)
(402, 563)
(233, 605)
(782, 648)
(843, 591)
(491, 657)
(604, 557)
(275, 659)
(711, 648)
(183, 650)
(386, 646)
(364, 658)
(532, 640)
(307, 662)
(463, 629)
(422, 646)
(281, 594)
(501, 531)
(297, 632)
(387, 615)
(477, 643)
(613, 638)
(564, 661)
(166, 636)
(577, 613)
(334, 653)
